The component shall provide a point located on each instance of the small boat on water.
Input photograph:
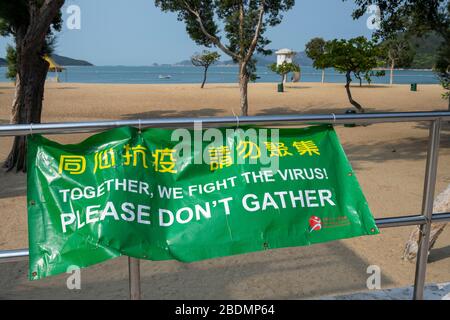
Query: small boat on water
(168, 76)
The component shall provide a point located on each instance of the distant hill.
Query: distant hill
(426, 51)
(300, 59)
(181, 63)
(189, 63)
(65, 61)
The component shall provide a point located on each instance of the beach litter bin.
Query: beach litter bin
(280, 87)
(413, 86)
(350, 125)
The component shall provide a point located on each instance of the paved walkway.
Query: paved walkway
(440, 291)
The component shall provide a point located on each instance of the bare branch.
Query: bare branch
(254, 42)
(213, 39)
(241, 29)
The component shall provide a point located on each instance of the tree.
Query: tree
(284, 68)
(11, 61)
(315, 48)
(442, 69)
(398, 53)
(244, 24)
(31, 23)
(204, 60)
(417, 17)
(358, 56)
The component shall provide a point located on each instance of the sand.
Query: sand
(389, 160)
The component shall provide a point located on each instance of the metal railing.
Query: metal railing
(424, 219)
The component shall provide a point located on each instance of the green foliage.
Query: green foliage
(15, 19)
(251, 70)
(369, 75)
(398, 51)
(417, 52)
(12, 15)
(11, 60)
(314, 49)
(243, 23)
(213, 13)
(416, 17)
(442, 69)
(446, 85)
(284, 68)
(358, 56)
(205, 59)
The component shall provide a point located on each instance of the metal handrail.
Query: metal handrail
(392, 222)
(279, 120)
(424, 219)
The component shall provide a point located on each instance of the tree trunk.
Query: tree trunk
(349, 94)
(391, 80)
(323, 75)
(204, 77)
(27, 103)
(243, 87)
(30, 39)
(359, 79)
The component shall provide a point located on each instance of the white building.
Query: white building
(285, 55)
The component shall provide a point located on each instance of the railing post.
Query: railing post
(134, 278)
(427, 208)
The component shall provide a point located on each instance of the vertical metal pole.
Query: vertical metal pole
(427, 208)
(134, 278)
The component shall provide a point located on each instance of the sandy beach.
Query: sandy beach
(389, 160)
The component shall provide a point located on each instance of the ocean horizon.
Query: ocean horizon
(216, 74)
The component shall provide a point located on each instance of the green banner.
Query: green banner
(188, 195)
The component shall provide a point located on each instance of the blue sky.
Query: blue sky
(121, 32)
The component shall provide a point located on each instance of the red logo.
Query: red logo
(315, 223)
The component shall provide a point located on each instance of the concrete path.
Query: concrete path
(440, 291)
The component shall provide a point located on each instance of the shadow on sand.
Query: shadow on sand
(305, 109)
(407, 149)
(437, 254)
(205, 112)
(290, 273)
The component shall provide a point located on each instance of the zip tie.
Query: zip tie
(334, 118)
(237, 118)
(139, 126)
(31, 129)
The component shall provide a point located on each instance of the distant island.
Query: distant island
(61, 60)
(66, 61)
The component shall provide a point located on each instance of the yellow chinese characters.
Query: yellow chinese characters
(72, 164)
(132, 153)
(277, 149)
(248, 149)
(220, 157)
(306, 147)
(104, 160)
(164, 160)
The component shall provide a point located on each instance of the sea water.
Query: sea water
(216, 74)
